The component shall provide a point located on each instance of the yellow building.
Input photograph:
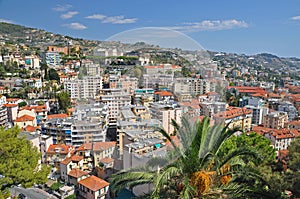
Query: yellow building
(240, 118)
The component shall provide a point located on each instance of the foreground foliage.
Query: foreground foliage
(19, 161)
(198, 166)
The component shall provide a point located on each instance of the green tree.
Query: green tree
(22, 104)
(19, 161)
(256, 142)
(293, 173)
(64, 101)
(53, 75)
(261, 179)
(194, 170)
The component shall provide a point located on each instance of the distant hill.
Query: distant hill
(13, 33)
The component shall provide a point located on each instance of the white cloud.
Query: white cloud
(96, 16)
(75, 26)
(210, 25)
(62, 8)
(112, 19)
(6, 20)
(296, 18)
(68, 15)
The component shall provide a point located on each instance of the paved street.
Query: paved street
(32, 193)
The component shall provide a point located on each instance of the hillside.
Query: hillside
(11, 33)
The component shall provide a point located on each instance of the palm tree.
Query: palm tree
(194, 169)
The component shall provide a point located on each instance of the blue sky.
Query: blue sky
(239, 26)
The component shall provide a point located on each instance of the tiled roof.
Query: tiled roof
(107, 160)
(59, 148)
(97, 146)
(62, 115)
(30, 128)
(294, 122)
(93, 183)
(25, 118)
(276, 133)
(77, 173)
(74, 158)
(10, 105)
(101, 146)
(233, 112)
(12, 99)
(163, 93)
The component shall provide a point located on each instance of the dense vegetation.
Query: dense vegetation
(19, 161)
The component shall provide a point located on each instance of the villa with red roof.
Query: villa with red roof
(25, 120)
(73, 162)
(57, 153)
(76, 175)
(95, 152)
(93, 188)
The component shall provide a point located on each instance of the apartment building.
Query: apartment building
(133, 124)
(114, 99)
(162, 69)
(259, 110)
(86, 88)
(275, 120)
(165, 112)
(51, 58)
(240, 118)
(280, 138)
(89, 123)
(197, 86)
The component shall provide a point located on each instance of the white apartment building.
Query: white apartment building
(281, 138)
(165, 112)
(88, 87)
(114, 99)
(197, 86)
(89, 124)
(259, 109)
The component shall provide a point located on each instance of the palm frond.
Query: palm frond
(162, 178)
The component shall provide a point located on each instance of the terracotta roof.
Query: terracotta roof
(233, 112)
(59, 148)
(12, 99)
(276, 133)
(163, 93)
(101, 146)
(62, 115)
(284, 133)
(10, 105)
(107, 160)
(294, 122)
(25, 118)
(41, 108)
(97, 146)
(93, 183)
(148, 67)
(74, 158)
(194, 103)
(77, 173)
(85, 146)
(30, 128)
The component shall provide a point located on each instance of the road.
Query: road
(32, 193)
